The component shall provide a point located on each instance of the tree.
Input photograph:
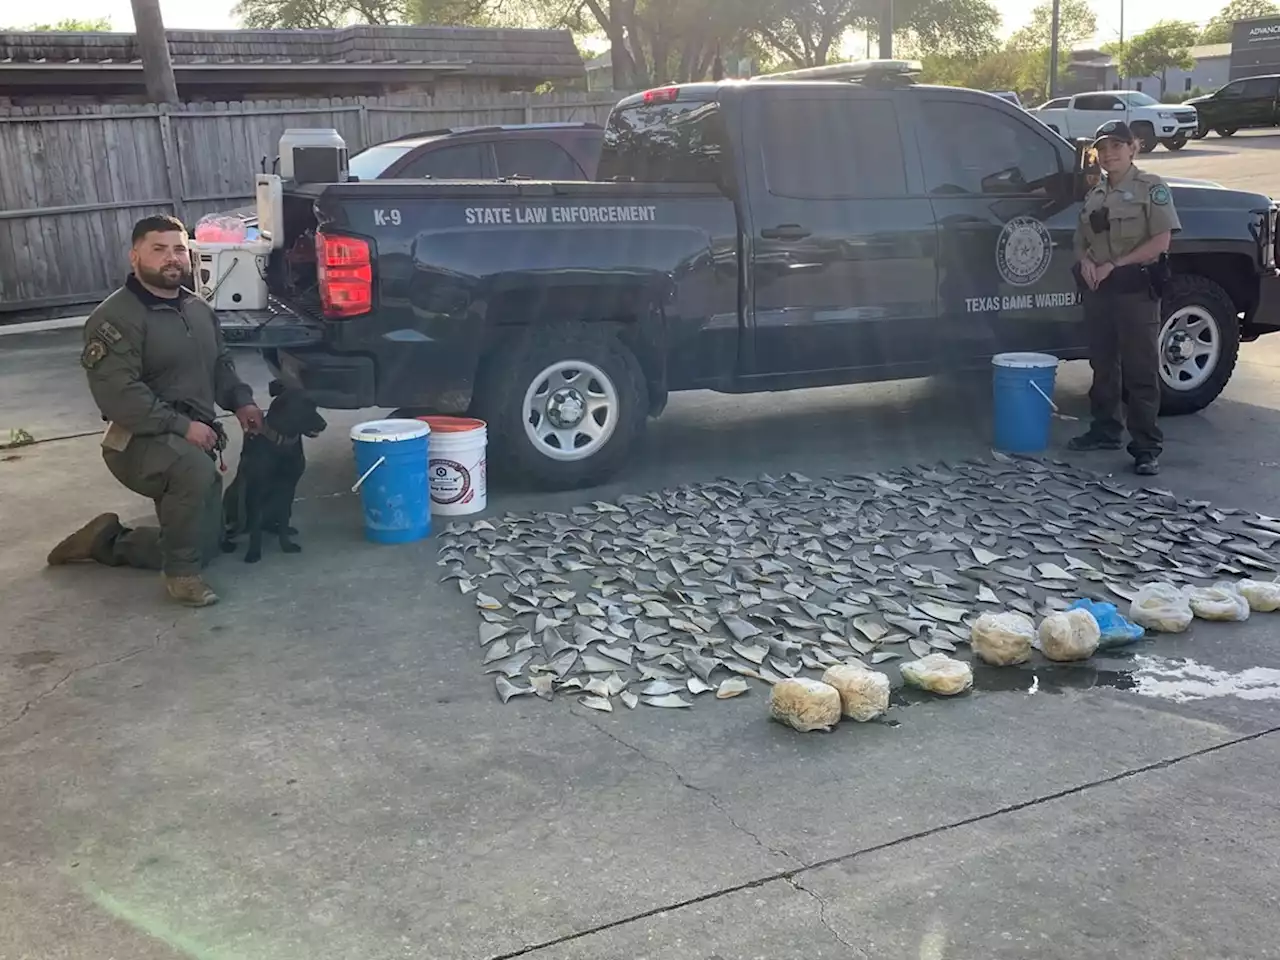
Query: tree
(1076, 23)
(72, 25)
(653, 41)
(1218, 29)
(317, 14)
(1164, 45)
(964, 29)
(1000, 70)
(808, 32)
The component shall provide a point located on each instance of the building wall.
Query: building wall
(1208, 74)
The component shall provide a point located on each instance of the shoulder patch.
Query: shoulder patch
(107, 330)
(93, 353)
(1160, 194)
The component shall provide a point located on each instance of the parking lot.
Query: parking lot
(318, 768)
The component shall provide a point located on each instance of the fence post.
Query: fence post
(365, 140)
(528, 109)
(171, 168)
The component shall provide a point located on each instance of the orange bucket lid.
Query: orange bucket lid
(452, 424)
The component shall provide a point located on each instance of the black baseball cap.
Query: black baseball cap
(1113, 130)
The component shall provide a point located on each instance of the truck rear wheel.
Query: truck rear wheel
(1199, 343)
(565, 405)
(1225, 131)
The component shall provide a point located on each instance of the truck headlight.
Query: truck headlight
(1166, 116)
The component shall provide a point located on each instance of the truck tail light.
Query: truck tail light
(344, 269)
(661, 95)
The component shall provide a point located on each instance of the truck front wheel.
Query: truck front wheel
(1199, 343)
(565, 405)
(1146, 135)
(1175, 143)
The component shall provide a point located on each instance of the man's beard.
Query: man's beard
(167, 278)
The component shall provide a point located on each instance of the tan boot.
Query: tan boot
(80, 545)
(190, 591)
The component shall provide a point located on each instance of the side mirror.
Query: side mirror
(1117, 106)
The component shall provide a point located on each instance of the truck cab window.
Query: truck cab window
(1098, 101)
(970, 148)
(671, 141)
(464, 161)
(818, 148)
(1260, 87)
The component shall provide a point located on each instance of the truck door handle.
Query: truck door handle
(785, 231)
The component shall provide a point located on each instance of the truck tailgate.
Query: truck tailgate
(276, 326)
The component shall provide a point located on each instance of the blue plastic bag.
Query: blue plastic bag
(1116, 630)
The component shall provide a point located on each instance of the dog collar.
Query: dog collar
(274, 436)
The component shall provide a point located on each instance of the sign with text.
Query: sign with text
(1255, 47)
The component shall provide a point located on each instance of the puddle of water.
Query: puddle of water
(1176, 680)
(1184, 680)
(1031, 678)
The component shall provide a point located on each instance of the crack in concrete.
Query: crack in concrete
(822, 916)
(76, 671)
(788, 875)
(680, 778)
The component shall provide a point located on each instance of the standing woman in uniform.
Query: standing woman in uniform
(1125, 227)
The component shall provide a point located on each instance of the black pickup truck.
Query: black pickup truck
(744, 236)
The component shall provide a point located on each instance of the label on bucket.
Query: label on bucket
(450, 482)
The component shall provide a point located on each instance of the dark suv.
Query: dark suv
(1251, 102)
(539, 151)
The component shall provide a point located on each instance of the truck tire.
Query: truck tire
(1225, 131)
(565, 406)
(1146, 135)
(1201, 132)
(1175, 143)
(1199, 343)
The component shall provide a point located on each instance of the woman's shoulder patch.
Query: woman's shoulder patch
(1160, 194)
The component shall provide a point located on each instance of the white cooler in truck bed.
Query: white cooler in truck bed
(232, 276)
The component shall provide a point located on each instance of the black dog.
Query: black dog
(271, 464)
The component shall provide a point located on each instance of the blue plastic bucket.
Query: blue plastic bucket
(1022, 385)
(391, 467)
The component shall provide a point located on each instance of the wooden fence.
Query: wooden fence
(74, 180)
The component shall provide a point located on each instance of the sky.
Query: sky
(216, 14)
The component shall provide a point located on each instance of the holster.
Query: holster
(1135, 278)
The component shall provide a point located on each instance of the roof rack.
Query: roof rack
(888, 72)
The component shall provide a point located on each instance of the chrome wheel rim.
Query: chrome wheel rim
(570, 410)
(1190, 347)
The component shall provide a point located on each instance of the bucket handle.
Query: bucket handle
(377, 463)
(1049, 400)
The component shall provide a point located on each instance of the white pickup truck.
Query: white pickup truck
(1152, 122)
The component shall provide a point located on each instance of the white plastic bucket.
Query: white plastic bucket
(457, 468)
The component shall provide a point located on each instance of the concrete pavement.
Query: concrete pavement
(317, 767)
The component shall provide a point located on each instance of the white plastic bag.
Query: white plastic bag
(1069, 635)
(864, 693)
(939, 674)
(1161, 606)
(1222, 601)
(805, 704)
(1002, 639)
(1263, 595)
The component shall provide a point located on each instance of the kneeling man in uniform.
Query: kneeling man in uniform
(157, 364)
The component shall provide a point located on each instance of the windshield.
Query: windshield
(372, 163)
(1136, 99)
